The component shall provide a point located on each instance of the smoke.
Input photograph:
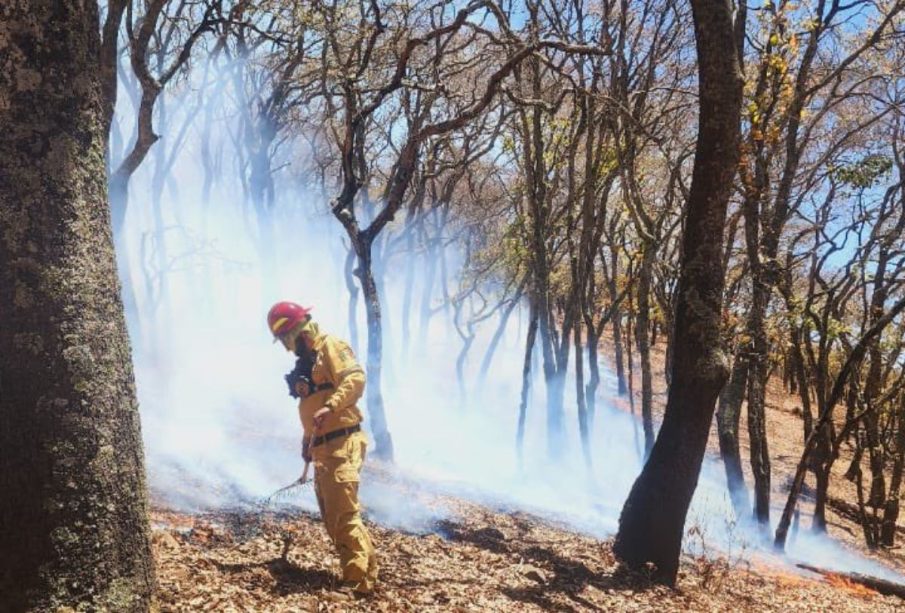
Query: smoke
(221, 431)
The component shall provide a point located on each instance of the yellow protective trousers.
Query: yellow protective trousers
(337, 467)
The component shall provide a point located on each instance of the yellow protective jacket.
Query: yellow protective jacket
(334, 364)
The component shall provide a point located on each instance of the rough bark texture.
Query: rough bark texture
(727, 418)
(653, 518)
(73, 513)
(757, 385)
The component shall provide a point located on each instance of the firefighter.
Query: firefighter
(329, 385)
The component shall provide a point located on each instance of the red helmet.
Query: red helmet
(284, 316)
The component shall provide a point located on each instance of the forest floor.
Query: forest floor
(478, 559)
(475, 560)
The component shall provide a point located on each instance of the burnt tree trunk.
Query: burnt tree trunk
(727, 418)
(653, 518)
(74, 510)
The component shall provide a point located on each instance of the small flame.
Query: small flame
(845, 583)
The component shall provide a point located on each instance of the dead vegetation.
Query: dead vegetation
(477, 560)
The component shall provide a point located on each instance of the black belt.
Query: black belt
(329, 436)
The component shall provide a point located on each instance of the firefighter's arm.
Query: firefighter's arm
(345, 372)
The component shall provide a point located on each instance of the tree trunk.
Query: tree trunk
(497, 337)
(820, 434)
(427, 290)
(74, 510)
(383, 442)
(653, 518)
(891, 510)
(820, 497)
(118, 187)
(160, 240)
(349, 273)
(727, 418)
(526, 382)
(590, 390)
(262, 193)
(642, 335)
(621, 388)
(583, 420)
(757, 383)
(409, 287)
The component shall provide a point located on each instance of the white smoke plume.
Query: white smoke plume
(221, 431)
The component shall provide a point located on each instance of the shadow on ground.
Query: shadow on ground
(559, 574)
(288, 578)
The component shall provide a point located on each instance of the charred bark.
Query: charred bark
(728, 414)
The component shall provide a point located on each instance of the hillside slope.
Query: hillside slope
(477, 560)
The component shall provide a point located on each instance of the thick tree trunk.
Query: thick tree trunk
(727, 417)
(821, 495)
(653, 518)
(73, 510)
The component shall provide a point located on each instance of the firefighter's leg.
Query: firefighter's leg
(318, 491)
(342, 514)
